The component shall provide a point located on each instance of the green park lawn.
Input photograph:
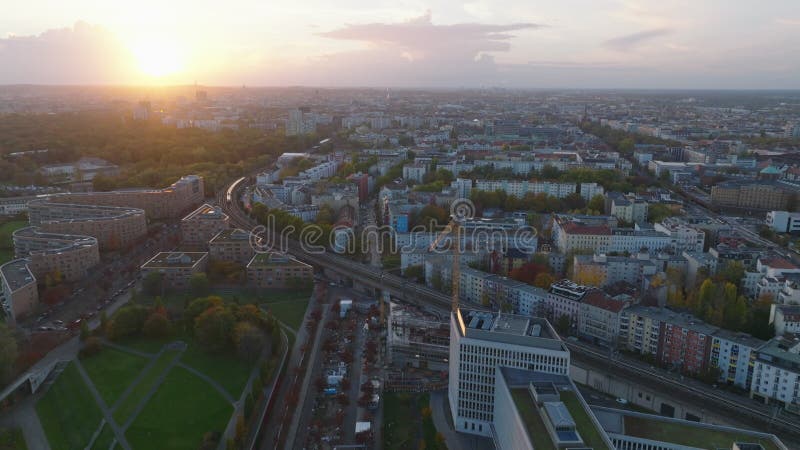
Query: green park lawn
(112, 371)
(68, 412)
(12, 439)
(290, 312)
(183, 409)
(399, 421)
(131, 401)
(226, 369)
(104, 440)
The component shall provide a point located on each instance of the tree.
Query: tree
(127, 321)
(544, 280)
(198, 284)
(152, 283)
(197, 307)
(157, 325)
(8, 352)
(249, 341)
(213, 328)
(597, 203)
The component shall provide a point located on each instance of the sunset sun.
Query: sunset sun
(157, 57)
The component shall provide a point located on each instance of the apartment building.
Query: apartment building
(232, 244)
(734, 354)
(684, 237)
(776, 372)
(589, 191)
(640, 329)
(785, 319)
(18, 290)
(480, 342)
(599, 317)
(415, 172)
(603, 270)
(69, 256)
(520, 189)
(114, 227)
(783, 221)
(277, 270)
(167, 203)
(202, 224)
(762, 195)
(176, 268)
(685, 343)
(563, 300)
(627, 208)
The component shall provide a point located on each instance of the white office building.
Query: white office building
(480, 342)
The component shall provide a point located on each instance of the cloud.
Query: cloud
(82, 54)
(791, 22)
(631, 41)
(418, 52)
(421, 37)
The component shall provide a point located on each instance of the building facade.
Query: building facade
(202, 224)
(481, 342)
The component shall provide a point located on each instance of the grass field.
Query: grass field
(129, 403)
(6, 245)
(399, 424)
(226, 369)
(105, 438)
(68, 412)
(112, 371)
(688, 435)
(184, 408)
(12, 439)
(589, 432)
(290, 312)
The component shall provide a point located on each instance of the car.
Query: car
(58, 322)
(621, 401)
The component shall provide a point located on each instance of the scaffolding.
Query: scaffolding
(417, 339)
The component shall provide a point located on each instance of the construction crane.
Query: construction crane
(459, 212)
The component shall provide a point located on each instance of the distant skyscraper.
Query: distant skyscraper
(301, 121)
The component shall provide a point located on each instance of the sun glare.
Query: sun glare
(157, 57)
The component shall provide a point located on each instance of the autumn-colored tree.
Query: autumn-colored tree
(544, 280)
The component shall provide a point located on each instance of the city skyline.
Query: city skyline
(609, 44)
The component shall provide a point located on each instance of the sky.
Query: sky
(664, 44)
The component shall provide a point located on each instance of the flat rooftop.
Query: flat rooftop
(206, 212)
(231, 235)
(568, 410)
(174, 259)
(680, 432)
(17, 274)
(508, 329)
(274, 259)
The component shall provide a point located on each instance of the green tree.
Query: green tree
(153, 283)
(198, 284)
(213, 328)
(249, 341)
(597, 203)
(127, 321)
(157, 325)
